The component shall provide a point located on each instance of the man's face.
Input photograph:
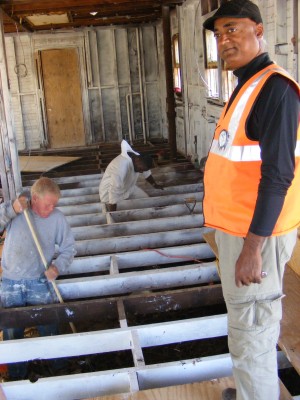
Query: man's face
(44, 205)
(138, 165)
(237, 40)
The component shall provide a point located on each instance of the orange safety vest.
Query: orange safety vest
(233, 168)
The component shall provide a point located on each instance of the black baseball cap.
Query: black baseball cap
(235, 9)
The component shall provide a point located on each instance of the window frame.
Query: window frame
(214, 68)
(177, 81)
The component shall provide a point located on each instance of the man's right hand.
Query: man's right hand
(248, 267)
(20, 204)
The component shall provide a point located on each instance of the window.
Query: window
(176, 65)
(220, 82)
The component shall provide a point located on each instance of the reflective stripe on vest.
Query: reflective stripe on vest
(243, 153)
(240, 153)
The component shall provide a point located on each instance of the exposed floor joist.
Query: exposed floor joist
(149, 260)
(105, 310)
(79, 386)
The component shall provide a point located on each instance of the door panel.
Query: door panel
(63, 99)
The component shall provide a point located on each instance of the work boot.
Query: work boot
(229, 394)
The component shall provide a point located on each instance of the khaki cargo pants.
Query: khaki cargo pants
(254, 314)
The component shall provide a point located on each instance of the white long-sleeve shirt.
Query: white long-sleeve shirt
(120, 178)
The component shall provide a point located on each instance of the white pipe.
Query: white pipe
(130, 115)
(141, 84)
(129, 118)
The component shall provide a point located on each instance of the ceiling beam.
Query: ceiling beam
(83, 7)
(105, 21)
(8, 20)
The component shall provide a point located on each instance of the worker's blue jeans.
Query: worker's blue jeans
(21, 293)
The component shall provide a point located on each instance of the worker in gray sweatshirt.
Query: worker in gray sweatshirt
(25, 281)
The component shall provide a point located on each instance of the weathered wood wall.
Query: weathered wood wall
(196, 117)
(122, 83)
(123, 77)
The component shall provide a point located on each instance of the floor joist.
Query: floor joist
(128, 282)
(145, 241)
(104, 311)
(147, 257)
(159, 201)
(151, 259)
(138, 227)
(105, 383)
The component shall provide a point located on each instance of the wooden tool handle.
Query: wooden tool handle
(41, 253)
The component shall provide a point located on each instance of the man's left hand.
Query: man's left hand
(158, 186)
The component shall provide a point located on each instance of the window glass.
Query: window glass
(176, 65)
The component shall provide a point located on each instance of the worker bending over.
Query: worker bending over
(25, 282)
(120, 177)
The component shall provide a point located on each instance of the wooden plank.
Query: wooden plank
(84, 312)
(69, 194)
(105, 311)
(118, 339)
(158, 256)
(128, 282)
(145, 241)
(141, 258)
(116, 385)
(86, 219)
(75, 181)
(290, 327)
(70, 387)
(43, 163)
(175, 210)
(158, 201)
(81, 209)
(177, 300)
(138, 227)
(84, 199)
(80, 191)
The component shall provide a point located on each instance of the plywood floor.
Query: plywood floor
(294, 262)
(43, 163)
(209, 390)
(289, 340)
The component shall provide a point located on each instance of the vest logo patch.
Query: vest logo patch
(223, 139)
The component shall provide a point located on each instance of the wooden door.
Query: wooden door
(63, 100)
